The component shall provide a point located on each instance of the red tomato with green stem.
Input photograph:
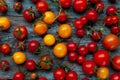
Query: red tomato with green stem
(3, 6)
(4, 64)
(96, 35)
(21, 45)
(99, 7)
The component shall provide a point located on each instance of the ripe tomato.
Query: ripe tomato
(33, 76)
(94, 1)
(115, 76)
(42, 6)
(21, 45)
(30, 65)
(65, 31)
(80, 5)
(49, 17)
(42, 78)
(40, 28)
(17, 6)
(101, 58)
(59, 74)
(84, 79)
(62, 17)
(72, 56)
(92, 46)
(92, 15)
(19, 57)
(88, 67)
(99, 7)
(20, 32)
(60, 50)
(116, 62)
(46, 62)
(71, 75)
(80, 32)
(18, 76)
(49, 40)
(108, 20)
(115, 20)
(111, 42)
(33, 46)
(5, 49)
(96, 35)
(65, 3)
(3, 6)
(29, 15)
(111, 10)
(71, 46)
(80, 59)
(103, 73)
(4, 23)
(4, 64)
(115, 30)
(84, 19)
(78, 24)
(82, 50)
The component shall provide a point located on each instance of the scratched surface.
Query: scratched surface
(17, 19)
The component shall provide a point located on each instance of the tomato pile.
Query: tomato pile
(61, 43)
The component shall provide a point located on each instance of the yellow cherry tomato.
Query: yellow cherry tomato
(103, 72)
(4, 23)
(19, 57)
(60, 50)
(49, 17)
(49, 40)
(65, 31)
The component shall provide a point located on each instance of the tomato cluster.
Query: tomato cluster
(75, 51)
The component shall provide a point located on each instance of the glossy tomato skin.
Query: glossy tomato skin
(115, 20)
(17, 6)
(92, 46)
(71, 75)
(96, 35)
(18, 76)
(88, 67)
(3, 6)
(21, 45)
(111, 42)
(42, 6)
(95, 1)
(101, 58)
(72, 56)
(82, 50)
(80, 5)
(99, 7)
(116, 62)
(59, 74)
(80, 32)
(63, 17)
(4, 64)
(115, 30)
(71, 46)
(108, 20)
(111, 10)
(84, 19)
(5, 49)
(78, 24)
(20, 32)
(115, 76)
(30, 65)
(42, 78)
(65, 3)
(80, 59)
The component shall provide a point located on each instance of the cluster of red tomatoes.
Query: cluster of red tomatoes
(101, 59)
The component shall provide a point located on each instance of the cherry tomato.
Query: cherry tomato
(80, 59)
(115, 20)
(92, 46)
(84, 79)
(72, 56)
(65, 3)
(21, 45)
(108, 20)
(30, 65)
(115, 30)
(59, 74)
(33, 76)
(111, 10)
(17, 6)
(88, 67)
(101, 58)
(3, 6)
(116, 62)
(5, 49)
(18, 76)
(63, 17)
(115, 76)
(71, 46)
(42, 6)
(96, 35)
(20, 32)
(84, 19)
(42, 78)
(71, 75)
(29, 15)
(94, 1)
(82, 50)
(78, 24)
(99, 7)
(111, 42)
(80, 5)
(92, 15)
(4, 64)
(80, 32)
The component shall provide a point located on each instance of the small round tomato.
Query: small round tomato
(21, 45)
(71, 75)
(17, 6)
(99, 7)
(40, 28)
(92, 46)
(59, 74)
(88, 67)
(49, 40)
(65, 31)
(115, 20)
(29, 15)
(82, 50)
(108, 20)
(42, 78)
(62, 17)
(30, 65)
(115, 30)
(49, 17)
(111, 42)
(71, 46)
(116, 62)
(101, 58)
(5, 49)
(65, 3)
(96, 35)
(115, 76)
(4, 64)
(18, 76)
(111, 10)
(46, 62)
(3, 6)
(92, 15)
(19, 57)
(4, 23)
(72, 56)
(80, 5)
(80, 59)
(60, 50)
(103, 73)
(84, 19)
(33, 76)
(84, 79)
(94, 1)
(33, 46)
(80, 32)
(78, 24)
(42, 6)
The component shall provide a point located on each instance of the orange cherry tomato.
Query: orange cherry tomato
(4, 23)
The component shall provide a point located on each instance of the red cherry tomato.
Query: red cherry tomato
(96, 35)
(115, 76)
(4, 64)
(42, 78)
(108, 20)
(116, 62)
(84, 79)
(111, 10)
(82, 50)
(71, 75)
(63, 17)
(3, 6)
(72, 56)
(18, 76)
(80, 59)
(80, 32)
(84, 19)
(115, 20)
(78, 24)
(17, 6)
(72, 46)
(115, 30)
(92, 46)
(94, 1)
(30, 65)
(21, 45)
(5, 49)
(65, 3)
(99, 7)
